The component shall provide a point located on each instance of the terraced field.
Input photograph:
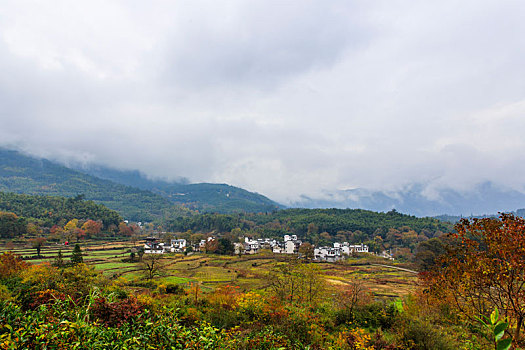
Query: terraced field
(249, 272)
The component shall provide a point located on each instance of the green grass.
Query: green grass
(175, 279)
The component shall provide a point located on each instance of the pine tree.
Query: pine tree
(76, 256)
(59, 260)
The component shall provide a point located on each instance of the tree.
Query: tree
(211, 246)
(140, 253)
(56, 233)
(79, 234)
(92, 228)
(296, 281)
(152, 265)
(124, 229)
(38, 243)
(352, 295)
(307, 250)
(224, 247)
(71, 225)
(59, 260)
(428, 252)
(484, 268)
(11, 264)
(76, 256)
(11, 225)
(70, 229)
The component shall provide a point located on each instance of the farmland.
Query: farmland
(249, 272)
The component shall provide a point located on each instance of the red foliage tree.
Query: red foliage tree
(92, 228)
(485, 267)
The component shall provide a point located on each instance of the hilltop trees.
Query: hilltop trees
(484, 267)
(11, 225)
(51, 210)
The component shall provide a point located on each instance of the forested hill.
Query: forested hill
(322, 226)
(50, 210)
(23, 174)
(208, 197)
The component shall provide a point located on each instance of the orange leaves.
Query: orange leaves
(485, 266)
(11, 264)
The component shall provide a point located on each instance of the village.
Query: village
(289, 245)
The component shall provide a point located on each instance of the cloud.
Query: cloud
(281, 98)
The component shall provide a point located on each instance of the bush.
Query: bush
(419, 335)
(116, 313)
(175, 289)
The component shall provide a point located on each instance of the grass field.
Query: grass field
(249, 272)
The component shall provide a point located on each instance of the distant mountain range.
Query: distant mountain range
(137, 197)
(208, 197)
(131, 194)
(485, 198)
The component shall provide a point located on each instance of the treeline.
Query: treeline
(48, 211)
(11, 225)
(321, 226)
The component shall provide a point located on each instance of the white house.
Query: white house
(152, 246)
(359, 248)
(251, 246)
(292, 246)
(178, 245)
(329, 254)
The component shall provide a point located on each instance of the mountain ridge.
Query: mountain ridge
(21, 173)
(482, 199)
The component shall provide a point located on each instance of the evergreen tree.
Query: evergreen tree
(76, 256)
(59, 260)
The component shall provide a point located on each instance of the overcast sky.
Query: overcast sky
(280, 97)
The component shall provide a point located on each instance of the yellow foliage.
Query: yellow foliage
(5, 294)
(353, 339)
(71, 225)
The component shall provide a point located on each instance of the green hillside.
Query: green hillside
(206, 197)
(50, 210)
(134, 196)
(23, 174)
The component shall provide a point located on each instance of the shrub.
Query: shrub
(116, 313)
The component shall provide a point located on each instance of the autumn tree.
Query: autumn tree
(484, 267)
(152, 265)
(307, 250)
(211, 246)
(70, 229)
(11, 264)
(56, 233)
(353, 294)
(38, 243)
(124, 230)
(297, 282)
(71, 225)
(92, 228)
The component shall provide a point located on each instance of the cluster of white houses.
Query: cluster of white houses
(290, 245)
(338, 251)
(152, 246)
